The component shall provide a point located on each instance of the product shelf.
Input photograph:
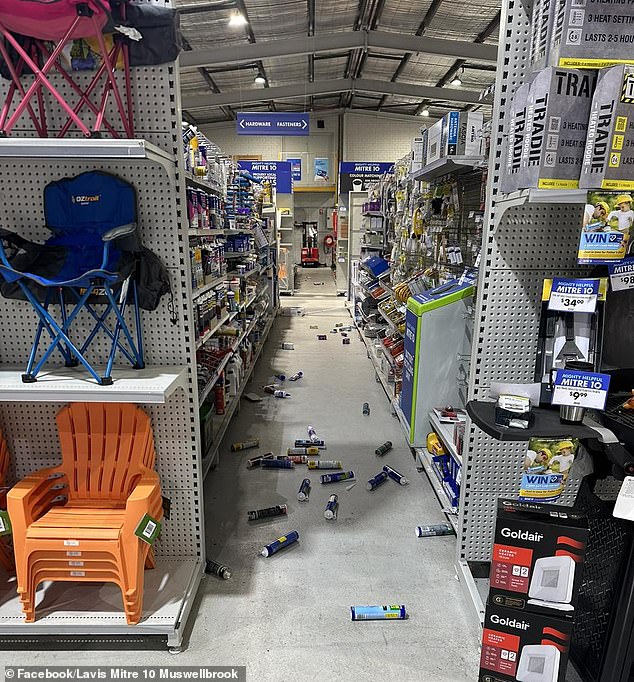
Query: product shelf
(373, 214)
(541, 196)
(203, 184)
(454, 165)
(425, 459)
(199, 291)
(445, 434)
(238, 254)
(227, 317)
(205, 233)
(152, 385)
(231, 407)
(389, 390)
(390, 324)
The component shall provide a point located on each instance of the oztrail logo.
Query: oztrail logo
(86, 198)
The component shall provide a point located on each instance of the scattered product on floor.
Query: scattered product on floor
(303, 451)
(324, 464)
(293, 311)
(271, 388)
(391, 612)
(314, 326)
(322, 337)
(280, 377)
(284, 541)
(303, 494)
(366, 409)
(245, 445)
(281, 394)
(434, 530)
(220, 570)
(395, 475)
(318, 284)
(312, 434)
(288, 346)
(339, 324)
(376, 481)
(297, 459)
(351, 486)
(277, 464)
(276, 510)
(304, 443)
(346, 342)
(384, 449)
(330, 512)
(334, 478)
(257, 461)
(296, 376)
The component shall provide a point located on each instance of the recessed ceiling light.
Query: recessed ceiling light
(259, 79)
(456, 82)
(237, 19)
(424, 112)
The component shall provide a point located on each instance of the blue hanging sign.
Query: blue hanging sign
(278, 173)
(279, 123)
(361, 171)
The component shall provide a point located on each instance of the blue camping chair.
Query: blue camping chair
(88, 262)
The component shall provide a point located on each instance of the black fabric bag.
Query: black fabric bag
(152, 280)
(160, 28)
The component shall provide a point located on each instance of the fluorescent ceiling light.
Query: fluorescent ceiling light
(259, 79)
(237, 19)
(456, 82)
(424, 112)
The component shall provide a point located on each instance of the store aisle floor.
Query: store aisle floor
(287, 617)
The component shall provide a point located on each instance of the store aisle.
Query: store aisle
(287, 617)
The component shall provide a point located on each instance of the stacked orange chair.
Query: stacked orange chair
(76, 522)
(6, 550)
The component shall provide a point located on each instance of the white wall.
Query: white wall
(378, 138)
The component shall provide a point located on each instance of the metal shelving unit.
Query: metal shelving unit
(449, 165)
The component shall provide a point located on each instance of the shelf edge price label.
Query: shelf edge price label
(622, 275)
(574, 295)
(581, 389)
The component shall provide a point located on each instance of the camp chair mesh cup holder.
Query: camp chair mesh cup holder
(27, 29)
(89, 261)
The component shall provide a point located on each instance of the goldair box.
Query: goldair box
(556, 124)
(591, 34)
(608, 161)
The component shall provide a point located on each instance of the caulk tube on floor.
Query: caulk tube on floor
(214, 568)
(395, 475)
(304, 490)
(281, 542)
(245, 445)
(257, 461)
(339, 476)
(375, 482)
(277, 510)
(303, 451)
(383, 449)
(305, 443)
(391, 612)
(324, 464)
(297, 459)
(277, 464)
(296, 376)
(330, 512)
(434, 530)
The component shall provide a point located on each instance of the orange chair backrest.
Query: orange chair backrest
(106, 447)
(4, 461)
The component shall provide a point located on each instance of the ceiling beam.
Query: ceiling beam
(206, 7)
(335, 86)
(336, 42)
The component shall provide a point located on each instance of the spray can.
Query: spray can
(383, 449)
(324, 464)
(281, 394)
(257, 461)
(366, 409)
(298, 459)
(304, 443)
(304, 490)
(277, 510)
(290, 538)
(296, 376)
(280, 377)
(434, 530)
(303, 451)
(322, 337)
(214, 568)
(245, 445)
(395, 475)
(333, 478)
(330, 512)
(375, 482)
(346, 341)
(277, 464)
(391, 612)
(312, 434)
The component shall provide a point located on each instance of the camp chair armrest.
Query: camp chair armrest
(144, 499)
(31, 497)
(14, 240)
(117, 232)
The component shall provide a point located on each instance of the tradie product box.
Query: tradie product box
(590, 34)
(434, 143)
(537, 560)
(541, 32)
(514, 141)
(461, 133)
(556, 123)
(526, 647)
(608, 161)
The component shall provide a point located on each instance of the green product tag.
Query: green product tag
(148, 529)
(5, 523)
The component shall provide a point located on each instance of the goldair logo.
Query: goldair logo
(510, 622)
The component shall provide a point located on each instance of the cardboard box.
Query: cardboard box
(461, 133)
(516, 645)
(514, 141)
(434, 145)
(590, 34)
(608, 161)
(417, 150)
(537, 559)
(541, 32)
(558, 107)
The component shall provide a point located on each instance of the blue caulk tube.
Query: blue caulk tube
(277, 464)
(395, 475)
(391, 612)
(304, 490)
(284, 541)
(330, 512)
(339, 476)
(305, 443)
(375, 482)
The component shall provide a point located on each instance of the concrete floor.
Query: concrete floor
(287, 617)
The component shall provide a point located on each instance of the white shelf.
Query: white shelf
(250, 273)
(454, 165)
(373, 214)
(79, 608)
(389, 322)
(150, 385)
(202, 183)
(205, 233)
(451, 513)
(445, 433)
(82, 149)
(541, 196)
(208, 287)
(238, 254)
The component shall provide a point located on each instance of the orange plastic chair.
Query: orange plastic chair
(76, 522)
(6, 550)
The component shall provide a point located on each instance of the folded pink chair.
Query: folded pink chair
(27, 29)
